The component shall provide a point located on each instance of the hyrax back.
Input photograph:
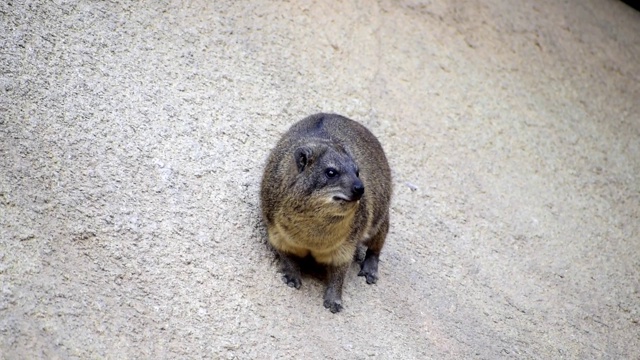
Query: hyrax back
(325, 192)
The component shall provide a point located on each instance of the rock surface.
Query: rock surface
(133, 136)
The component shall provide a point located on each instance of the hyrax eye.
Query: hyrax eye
(331, 172)
(357, 173)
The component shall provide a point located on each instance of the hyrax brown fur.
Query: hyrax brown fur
(325, 192)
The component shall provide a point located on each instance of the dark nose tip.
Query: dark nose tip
(358, 190)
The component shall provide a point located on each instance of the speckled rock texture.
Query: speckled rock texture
(133, 135)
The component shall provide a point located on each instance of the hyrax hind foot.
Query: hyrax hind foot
(369, 267)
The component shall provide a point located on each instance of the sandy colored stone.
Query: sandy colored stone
(133, 136)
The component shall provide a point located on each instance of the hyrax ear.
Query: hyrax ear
(303, 157)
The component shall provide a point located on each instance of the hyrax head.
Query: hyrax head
(327, 172)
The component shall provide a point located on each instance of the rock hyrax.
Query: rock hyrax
(325, 192)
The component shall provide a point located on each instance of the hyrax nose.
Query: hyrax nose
(358, 190)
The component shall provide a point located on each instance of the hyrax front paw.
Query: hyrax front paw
(334, 305)
(292, 280)
(333, 295)
(369, 269)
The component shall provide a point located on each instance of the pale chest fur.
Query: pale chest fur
(326, 238)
